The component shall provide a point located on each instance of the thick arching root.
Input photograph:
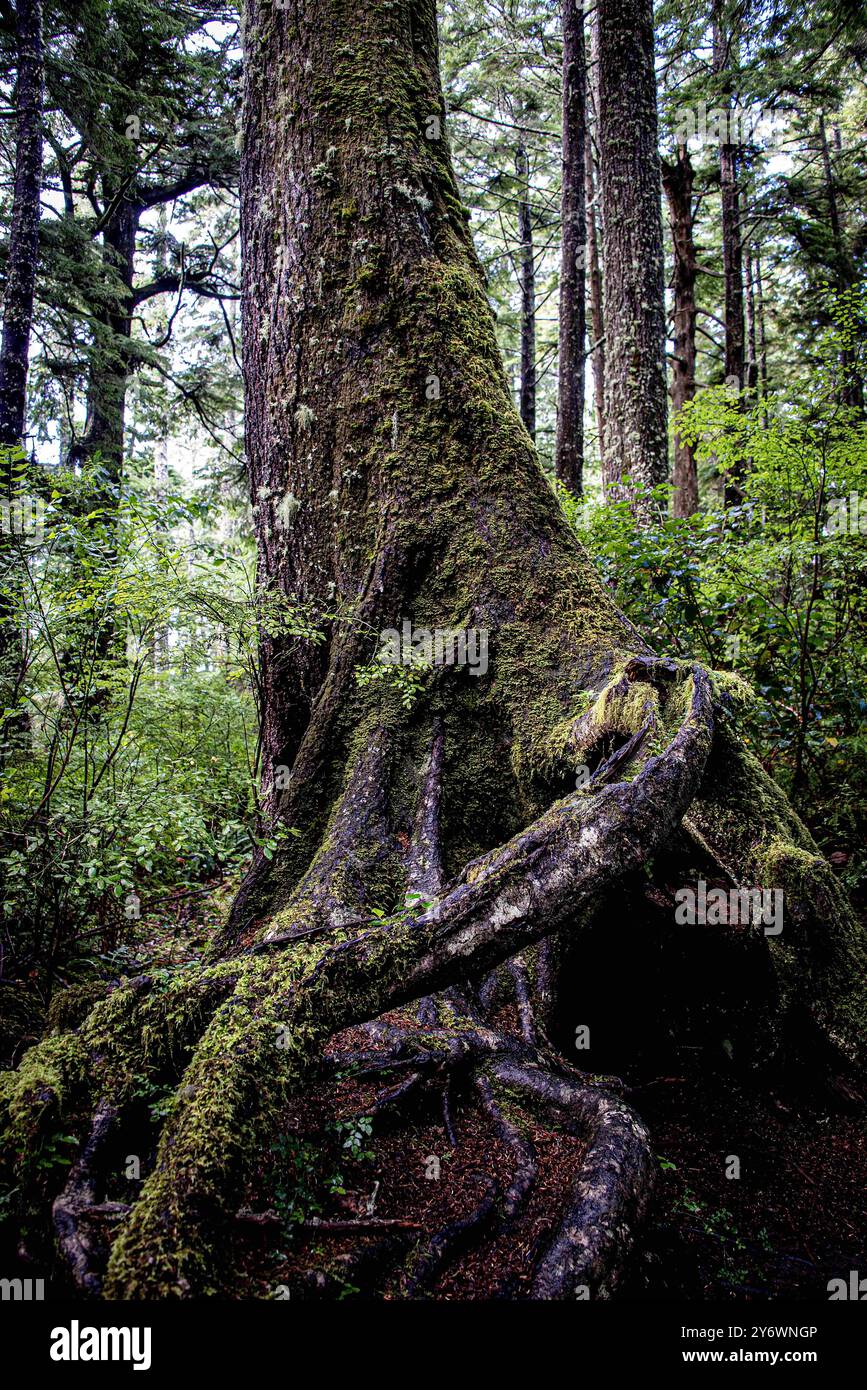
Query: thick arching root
(73, 1211)
(544, 879)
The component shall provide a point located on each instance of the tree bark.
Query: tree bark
(723, 41)
(572, 327)
(845, 270)
(677, 179)
(527, 281)
(636, 444)
(18, 300)
(731, 214)
(732, 267)
(752, 365)
(593, 198)
(24, 227)
(111, 364)
(762, 340)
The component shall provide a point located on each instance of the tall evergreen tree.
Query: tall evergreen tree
(527, 281)
(636, 440)
(23, 253)
(569, 460)
(18, 297)
(677, 180)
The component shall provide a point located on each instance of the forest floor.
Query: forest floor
(795, 1218)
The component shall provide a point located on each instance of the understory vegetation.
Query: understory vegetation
(773, 588)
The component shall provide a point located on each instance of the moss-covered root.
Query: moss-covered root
(819, 959)
(36, 1101)
(224, 1109)
(262, 1040)
(146, 1026)
(57, 1082)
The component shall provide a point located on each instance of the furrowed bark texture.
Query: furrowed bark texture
(572, 327)
(527, 279)
(677, 178)
(636, 443)
(724, 40)
(593, 198)
(378, 499)
(24, 230)
(724, 47)
(21, 264)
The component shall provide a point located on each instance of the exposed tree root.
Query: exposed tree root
(73, 1210)
(518, 970)
(428, 1263)
(318, 1223)
(393, 1095)
(522, 1150)
(611, 1189)
(240, 1037)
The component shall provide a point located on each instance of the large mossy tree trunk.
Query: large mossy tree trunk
(379, 499)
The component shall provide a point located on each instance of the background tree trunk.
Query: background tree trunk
(110, 368)
(760, 328)
(527, 281)
(24, 231)
(678, 180)
(593, 200)
(18, 299)
(846, 274)
(572, 329)
(752, 366)
(732, 267)
(724, 40)
(636, 443)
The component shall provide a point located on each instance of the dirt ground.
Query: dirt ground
(794, 1218)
